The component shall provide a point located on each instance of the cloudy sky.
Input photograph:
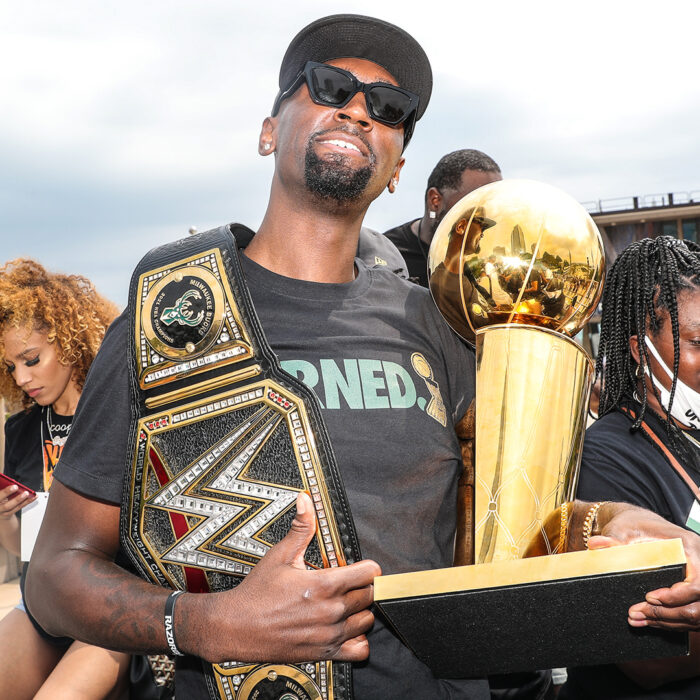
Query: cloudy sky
(125, 123)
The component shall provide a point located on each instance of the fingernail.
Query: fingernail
(653, 601)
(301, 505)
(636, 615)
(13, 487)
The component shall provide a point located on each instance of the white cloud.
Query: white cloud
(124, 123)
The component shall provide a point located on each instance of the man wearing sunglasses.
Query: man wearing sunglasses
(374, 349)
(392, 379)
(387, 104)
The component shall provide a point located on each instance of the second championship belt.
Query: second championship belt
(222, 441)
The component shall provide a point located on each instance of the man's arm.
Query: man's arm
(676, 608)
(280, 612)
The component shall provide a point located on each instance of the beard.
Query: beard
(332, 178)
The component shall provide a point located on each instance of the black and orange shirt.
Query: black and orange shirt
(33, 446)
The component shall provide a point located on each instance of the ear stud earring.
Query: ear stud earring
(267, 146)
(432, 214)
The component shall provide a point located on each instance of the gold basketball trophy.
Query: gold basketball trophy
(516, 268)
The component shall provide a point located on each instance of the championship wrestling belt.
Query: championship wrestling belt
(221, 442)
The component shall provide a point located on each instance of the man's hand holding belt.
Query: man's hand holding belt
(282, 610)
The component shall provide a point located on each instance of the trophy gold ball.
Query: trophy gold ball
(516, 269)
(516, 252)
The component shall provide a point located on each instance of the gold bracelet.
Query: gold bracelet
(589, 522)
(563, 526)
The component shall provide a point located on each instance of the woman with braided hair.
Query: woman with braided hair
(645, 447)
(51, 326)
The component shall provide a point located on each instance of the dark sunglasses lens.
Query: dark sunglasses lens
(388, 104)
(330, 86)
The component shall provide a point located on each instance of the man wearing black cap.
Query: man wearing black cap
(373, 348)
(376, 353)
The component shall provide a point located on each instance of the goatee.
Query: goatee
(332, 178)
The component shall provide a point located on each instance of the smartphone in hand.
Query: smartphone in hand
(6, 481)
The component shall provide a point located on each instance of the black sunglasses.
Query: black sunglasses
(335, 87)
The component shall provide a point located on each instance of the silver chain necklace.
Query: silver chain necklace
(58, 440)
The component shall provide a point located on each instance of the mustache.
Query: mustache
(352, 132)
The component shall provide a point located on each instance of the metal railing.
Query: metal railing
(647, 201)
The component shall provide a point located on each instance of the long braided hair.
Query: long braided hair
(646, 278)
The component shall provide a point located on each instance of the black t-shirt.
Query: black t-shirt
(376, 250)
(390, 418)
(30, 453)
(619, 464)
(623, 465)
(23, 448)
(413, 250)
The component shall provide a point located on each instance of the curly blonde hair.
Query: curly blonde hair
(66, 307)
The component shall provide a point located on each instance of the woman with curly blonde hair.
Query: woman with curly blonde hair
(51, 326)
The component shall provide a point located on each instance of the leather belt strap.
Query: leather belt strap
(221, 442)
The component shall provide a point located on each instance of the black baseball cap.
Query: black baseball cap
(358, 36)
(477, 216)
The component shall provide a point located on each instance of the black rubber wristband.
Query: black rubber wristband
(170, 623)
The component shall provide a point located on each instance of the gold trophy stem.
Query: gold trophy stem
(532, 389)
